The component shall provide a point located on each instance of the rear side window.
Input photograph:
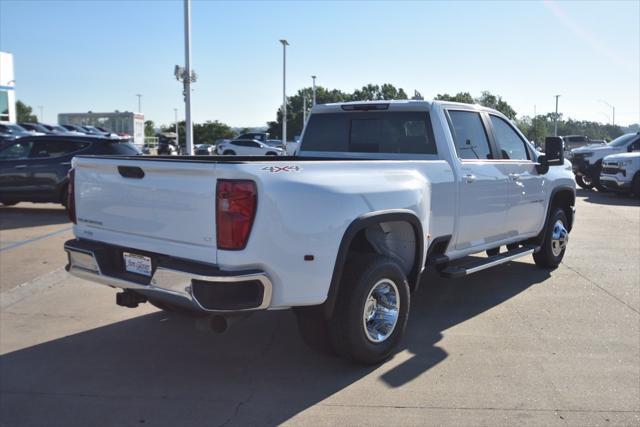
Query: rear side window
(469, 135)
(511, 145)
(56, 148)
(120, 148)
(370, 132)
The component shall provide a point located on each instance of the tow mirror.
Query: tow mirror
(554, 151)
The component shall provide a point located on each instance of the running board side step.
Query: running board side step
(482, 264)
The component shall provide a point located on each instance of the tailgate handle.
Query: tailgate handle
(131, 172)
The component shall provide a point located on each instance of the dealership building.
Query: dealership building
(121, 123)
(7, 89)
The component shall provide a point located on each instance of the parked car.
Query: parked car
(75, 129)
(248, 147)
(166, 148)
(10, 131)
(258, 136)
(35, 168)
(381, 191)
(621, 172)
(57, 129)
(575, 141)
(204, 150)
(587, 161)
(35, 128)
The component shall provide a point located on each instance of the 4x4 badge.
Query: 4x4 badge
(286, 168)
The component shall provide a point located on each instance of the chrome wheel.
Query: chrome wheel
(381, 311)
(587, 180)
(559, 238)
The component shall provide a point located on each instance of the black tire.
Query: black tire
(271, 153)
(229, 153)
(596, 180)
(314, 328)
(493, 251)
(347, 330)
(635, 185)
(9, 203)
(546, 258)
(584, 182)
(512, 246)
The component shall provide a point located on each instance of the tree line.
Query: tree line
(534, 128)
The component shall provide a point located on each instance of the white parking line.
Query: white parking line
(34, 239)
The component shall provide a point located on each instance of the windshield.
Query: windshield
(622, 140)
(12, 128)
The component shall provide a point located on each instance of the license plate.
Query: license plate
(138, 264)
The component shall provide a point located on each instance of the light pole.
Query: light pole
(555, 118)
(175, 119)
(314, 90)
(139, 102)
(285, 43)
(41, 108)
(187, 81)
(613, 111)
(304, 111)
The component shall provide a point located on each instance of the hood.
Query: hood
(622, 156)
(595, 147)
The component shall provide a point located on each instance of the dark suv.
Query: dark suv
(34, 169)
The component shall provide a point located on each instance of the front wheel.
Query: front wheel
(229, 153)
(371, 311)
(555, 241)
(584, 181)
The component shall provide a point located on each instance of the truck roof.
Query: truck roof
(392, 105)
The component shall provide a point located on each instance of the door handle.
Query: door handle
(21, 166)
(514, 176)
(469, 178)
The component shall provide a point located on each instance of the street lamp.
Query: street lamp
(555, 118)
(139, 102)
(314, 90)
(613, 111)
(285, 43)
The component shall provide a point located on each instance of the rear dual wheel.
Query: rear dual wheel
(370, 316)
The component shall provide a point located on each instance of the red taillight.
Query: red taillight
(71, 196)
(236, 202)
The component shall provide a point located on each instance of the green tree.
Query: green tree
(486, 98)
(464, 97)
(325, 96)
(149, 128)
(24, 113)
(209, 132)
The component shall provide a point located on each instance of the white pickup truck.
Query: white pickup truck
(342, 233)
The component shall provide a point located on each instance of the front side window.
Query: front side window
(18, 150)
(510, 144)
(469, 135)
(370, 132)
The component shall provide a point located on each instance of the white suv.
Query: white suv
(248, 147)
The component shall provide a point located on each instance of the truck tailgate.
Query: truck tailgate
(162, 206)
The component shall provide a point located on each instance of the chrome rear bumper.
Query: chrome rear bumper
(168, 283)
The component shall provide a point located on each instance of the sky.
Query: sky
(76, 56)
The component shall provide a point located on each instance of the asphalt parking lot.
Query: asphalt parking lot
(510, 345)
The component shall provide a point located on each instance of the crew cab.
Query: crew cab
(621, 173)
(379, 192)
(587, 160)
